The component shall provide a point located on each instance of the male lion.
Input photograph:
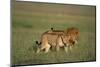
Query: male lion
(57, 38)
(72, 32)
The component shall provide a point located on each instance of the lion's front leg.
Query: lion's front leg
(57, 48)
(66, 49)
(47, 47)
(40, 49)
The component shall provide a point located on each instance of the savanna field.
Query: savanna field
(30, 20)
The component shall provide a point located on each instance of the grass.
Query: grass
(30, 20)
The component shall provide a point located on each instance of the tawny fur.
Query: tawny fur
(58, 38)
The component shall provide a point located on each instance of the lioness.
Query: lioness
(57, 38)
(53, 40)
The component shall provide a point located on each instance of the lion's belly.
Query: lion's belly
(52, 40)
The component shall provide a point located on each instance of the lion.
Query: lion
(52, 40)
(57, 38)
(72, 32)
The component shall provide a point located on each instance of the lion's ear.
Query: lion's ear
(51, 28)
(36, 42)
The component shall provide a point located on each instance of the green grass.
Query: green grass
(30, 20)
